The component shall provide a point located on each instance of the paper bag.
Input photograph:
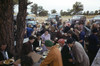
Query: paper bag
(35, 57)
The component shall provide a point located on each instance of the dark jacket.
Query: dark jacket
(66, 29)
(93, 42)
(27, 48)
(2, 57)
(59, 35)
(36, 44)
(82, 37)
(66, 55)
(53, 35)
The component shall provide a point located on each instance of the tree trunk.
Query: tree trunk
(21, 25)
(6, 24)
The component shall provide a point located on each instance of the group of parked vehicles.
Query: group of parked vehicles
(76, 19)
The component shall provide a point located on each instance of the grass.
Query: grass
(64, 18)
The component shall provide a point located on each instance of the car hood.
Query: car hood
(75, 19)
(31, 22)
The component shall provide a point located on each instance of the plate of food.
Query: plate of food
(9, 61)
(39, 48)
(45, 53)
(43, 57)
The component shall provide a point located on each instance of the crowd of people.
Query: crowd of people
(77, 49)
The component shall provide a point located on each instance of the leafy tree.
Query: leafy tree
(53, 11)
(43, 13)
(77, 7)
(34, 8)
(40, 8)
(91, 13)
(84, 13)
(99, 12)
(69, 11)
(61, 12)
(87, 13)
(65, 13)
(96, 12)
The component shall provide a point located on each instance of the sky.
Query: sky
(90, 5)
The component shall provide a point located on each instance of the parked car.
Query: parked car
(52, 16)
(31, 20)
(78, 19)
(95, 19)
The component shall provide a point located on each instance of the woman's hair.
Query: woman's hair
(94, 25)
(26, 61)
(31, 37)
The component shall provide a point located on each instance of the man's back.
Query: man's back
(80, 55)
(53, 58)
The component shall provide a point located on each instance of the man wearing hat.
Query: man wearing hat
(66, 54)
(54, 56)
(93, 45)
(80, 56)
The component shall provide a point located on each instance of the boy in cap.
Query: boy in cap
(66, 53)
(54, 56)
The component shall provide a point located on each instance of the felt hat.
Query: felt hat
(94, 30)
(48, 43)
(70, 41)
(62, 41)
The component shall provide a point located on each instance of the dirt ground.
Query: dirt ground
(64, 18)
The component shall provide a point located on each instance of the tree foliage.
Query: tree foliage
(34, 8)
(53, 11)
(77, 7)
(66, 13)
(96, 12)
(38, 10)
(87, 13)
(43, 13)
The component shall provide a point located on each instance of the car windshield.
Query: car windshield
(76, 17)
(52, 16)
(30, 18)
(97, 17)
